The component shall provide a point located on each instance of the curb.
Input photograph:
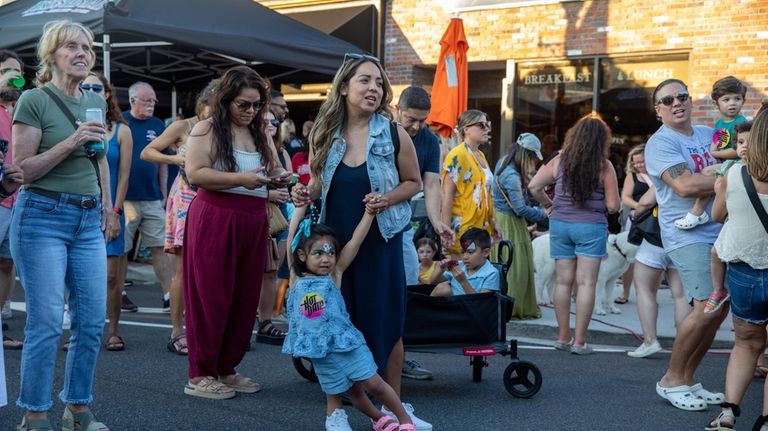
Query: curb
(545, 332)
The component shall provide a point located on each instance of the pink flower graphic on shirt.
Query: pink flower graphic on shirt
(312, 305)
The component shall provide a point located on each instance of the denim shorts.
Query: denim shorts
(568, 240)
(5, 224)
(749, 292)
(338, 371)
(693, 264)
(653, 257)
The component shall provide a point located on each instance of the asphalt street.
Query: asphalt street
(142, 388)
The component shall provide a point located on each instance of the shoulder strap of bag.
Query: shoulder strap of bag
(504, 195)
(752, 193)
(396, 142)
(67, 113)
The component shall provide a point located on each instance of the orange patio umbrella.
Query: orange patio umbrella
(449, 90)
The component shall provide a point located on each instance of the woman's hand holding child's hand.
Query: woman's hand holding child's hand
(375, 203)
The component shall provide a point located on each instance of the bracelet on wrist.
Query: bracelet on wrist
(117, 210)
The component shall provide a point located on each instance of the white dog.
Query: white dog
(620, 255)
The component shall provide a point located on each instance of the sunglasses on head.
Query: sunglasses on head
(354, 56)
(96, 88)
(669, 100)
(245, 105)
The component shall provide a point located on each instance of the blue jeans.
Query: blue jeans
(56, 247)
(410, 258)
(749, 292)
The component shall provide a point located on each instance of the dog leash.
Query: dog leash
(616, 246)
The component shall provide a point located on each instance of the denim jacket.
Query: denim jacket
(512, 183)
(382, 173)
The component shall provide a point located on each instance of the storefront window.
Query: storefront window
(551, 97)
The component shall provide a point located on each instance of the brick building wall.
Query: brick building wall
(721, 38)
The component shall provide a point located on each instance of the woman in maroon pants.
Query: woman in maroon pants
(225, 243)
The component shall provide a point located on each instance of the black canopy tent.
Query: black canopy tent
(181, 43)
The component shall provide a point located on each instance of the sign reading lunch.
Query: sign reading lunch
(64, 6)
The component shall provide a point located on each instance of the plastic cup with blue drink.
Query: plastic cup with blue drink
(94, 115)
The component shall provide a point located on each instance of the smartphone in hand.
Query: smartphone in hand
(449, 264)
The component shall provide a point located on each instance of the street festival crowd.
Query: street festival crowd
(260, 218)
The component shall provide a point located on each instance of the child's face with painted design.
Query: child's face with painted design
(741, 145)
(320, 256)
(426, 254)
(473, 256)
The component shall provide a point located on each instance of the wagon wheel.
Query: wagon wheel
(477, 363)
(305, 368)
(522, 379)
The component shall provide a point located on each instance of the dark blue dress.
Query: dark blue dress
(374, 284)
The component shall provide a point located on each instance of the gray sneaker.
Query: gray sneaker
(6, 312)
(414, 370)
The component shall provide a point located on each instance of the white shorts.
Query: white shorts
(654, 257)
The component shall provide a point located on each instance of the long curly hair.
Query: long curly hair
(333, 112)
(584, 155)
(227, 89)
(757, 148)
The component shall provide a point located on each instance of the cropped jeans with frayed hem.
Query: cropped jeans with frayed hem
(56, 247)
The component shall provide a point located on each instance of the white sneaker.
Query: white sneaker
(67, 322)
(420, 424)
(6, 312)
(337, 421)
(645, 350)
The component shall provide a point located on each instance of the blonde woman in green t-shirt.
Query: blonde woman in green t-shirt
(58, 227)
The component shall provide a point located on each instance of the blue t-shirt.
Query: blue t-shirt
(143, 183)
(427, 151)
(318, 322)
(667, 148)
(486, 277)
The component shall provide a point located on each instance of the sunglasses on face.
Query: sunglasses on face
(482, 125)
(669, 100)
(354, 56)
(96, 88)
(273, 122)
(244, 105)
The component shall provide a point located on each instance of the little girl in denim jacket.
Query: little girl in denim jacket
(320, 330)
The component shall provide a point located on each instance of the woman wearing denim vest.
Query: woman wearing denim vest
(513, 213)
(56, 231)
(354, 164)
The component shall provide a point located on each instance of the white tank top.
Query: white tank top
(743, 238)
(245, 162)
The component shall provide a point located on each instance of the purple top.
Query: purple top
(565, 209)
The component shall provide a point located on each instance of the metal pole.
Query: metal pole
(105, 55)
(173, 103)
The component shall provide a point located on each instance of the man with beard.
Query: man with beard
(10, 70)
(144, 209)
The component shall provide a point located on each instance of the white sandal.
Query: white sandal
(682, 398)
(690, 221)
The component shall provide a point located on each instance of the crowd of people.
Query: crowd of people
(260, 218)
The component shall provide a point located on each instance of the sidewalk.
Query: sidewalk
(617, 329)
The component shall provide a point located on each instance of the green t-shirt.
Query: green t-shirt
(35, 108)
(727, 140)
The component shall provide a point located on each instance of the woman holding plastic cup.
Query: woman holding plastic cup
(58, 227)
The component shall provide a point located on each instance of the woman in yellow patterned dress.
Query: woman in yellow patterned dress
(467, 180)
